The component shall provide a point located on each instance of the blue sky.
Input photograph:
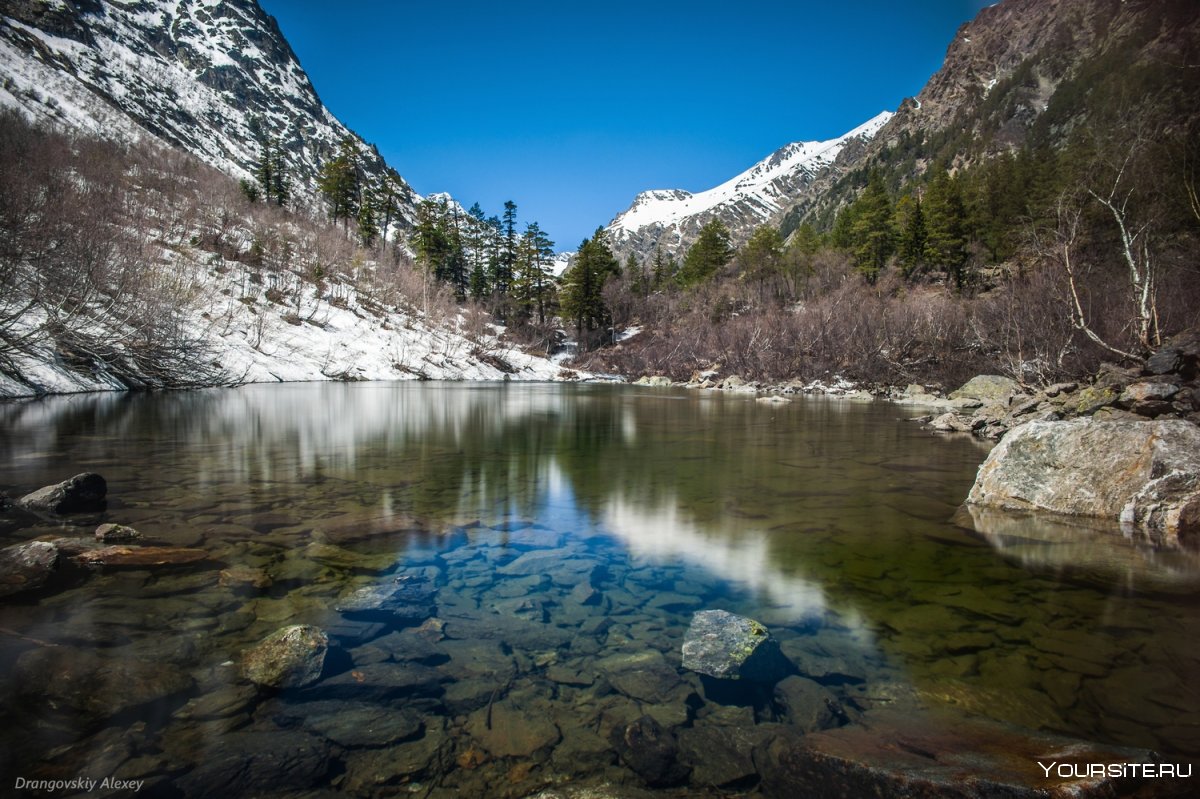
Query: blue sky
(571, 108)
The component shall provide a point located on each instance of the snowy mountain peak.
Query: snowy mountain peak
(671, 218)
(192, 74)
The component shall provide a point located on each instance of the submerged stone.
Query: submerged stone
(24, 567)
(399, 601)
(291, 657)
(730, 647)
(123, 557)
(95, 684)
(651, 751)
(82, 493)
(911, 753)
(807, 705)
(256, 763)
(116, 532)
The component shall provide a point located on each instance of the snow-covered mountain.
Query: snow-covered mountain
(190, 73)
(671, 219)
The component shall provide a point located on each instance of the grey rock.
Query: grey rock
(82, 493)
(24, 567)
(988, 388)
(1147, 474)
(1165, 361)
(1142, 392)
(257, 762)
(726, 646)
(1060, 388)
(95, 684)
(356, 724)
(397, 601)
(807, 704)
(651, 751)
(290, 657)
(116, 532)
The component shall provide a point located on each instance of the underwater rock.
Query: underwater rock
(917, 754)
(122, 557)
(516, 726)
(651, 751)
(356, 724)
(243, 578)
(257, 762)
(399, 601)
(290, 657)
(95, 684)
(82, 493)
(116, 532)
(730, 647)
(807, 704)
(26, 566)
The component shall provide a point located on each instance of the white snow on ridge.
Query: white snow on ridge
(669, 206)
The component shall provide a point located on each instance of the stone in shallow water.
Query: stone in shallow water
(291, 657)
(722, 756)
(730, 647)
(367, 769)
(24, 567)
(82, 493)
(116, 532)
(355, 724)
(123, 557)
(651, 751)
(807, 704)
(911, 753)
(517, 726)
(95, 684)
(400, 601)
(257, 762)
(244, 578)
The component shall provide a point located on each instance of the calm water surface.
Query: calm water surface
(567, 534)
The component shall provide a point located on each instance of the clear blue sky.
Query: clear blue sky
(571, 108)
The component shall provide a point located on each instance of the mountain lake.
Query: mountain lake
(554, 542)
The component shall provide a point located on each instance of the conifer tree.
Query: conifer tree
(582, 298)
(368, 227)
(663, 269)
(338, 181)
(871, 234)
(711, 251)
(761, 259)
(945, 228)
(910, 244)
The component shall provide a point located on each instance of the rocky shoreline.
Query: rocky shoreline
(1166, 385)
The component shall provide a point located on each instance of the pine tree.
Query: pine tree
(663, 269)
(871, 234)
(508, 256)
(762, 257)
(281, 184)
(338, 181)
(582, 298)
(910, 244)
(711, 251)
(945, 228)
(368, 227)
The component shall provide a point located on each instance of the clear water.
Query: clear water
(836, 524)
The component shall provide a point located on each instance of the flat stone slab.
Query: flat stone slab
(909, 754)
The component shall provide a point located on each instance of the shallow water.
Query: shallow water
(569, 533)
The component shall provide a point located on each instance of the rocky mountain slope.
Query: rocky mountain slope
(1030, 72)
(192, 74)
(670, 219)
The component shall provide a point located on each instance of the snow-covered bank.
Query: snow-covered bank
(259, 341)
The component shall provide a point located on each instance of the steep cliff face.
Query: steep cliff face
(671, 219)
(190, 73)
(1029, 72)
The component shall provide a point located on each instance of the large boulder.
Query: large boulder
(1147, 474)
(727, 646)
(291, 657)
(26, 566)
(398, 601)
(988, 388)
(83, 493)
